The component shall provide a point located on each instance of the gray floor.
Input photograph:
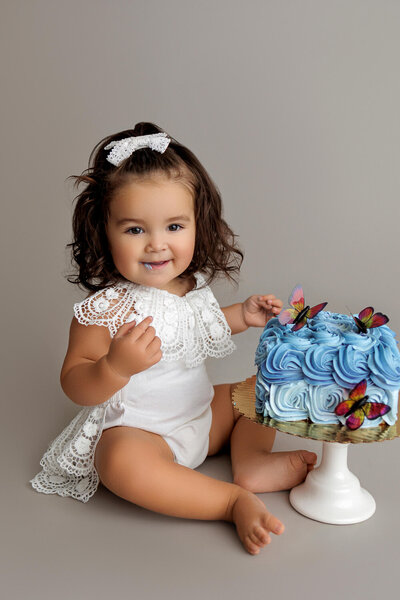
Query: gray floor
(60, 548)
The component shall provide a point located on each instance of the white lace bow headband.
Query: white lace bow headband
(122, 149)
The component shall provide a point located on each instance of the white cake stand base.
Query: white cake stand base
(331, 493)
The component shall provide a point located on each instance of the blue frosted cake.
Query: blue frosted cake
(305, 374)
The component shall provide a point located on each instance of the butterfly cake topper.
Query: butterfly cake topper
(299, 314)
(367, 319)
(357, 407)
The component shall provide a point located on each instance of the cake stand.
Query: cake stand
(331, 493)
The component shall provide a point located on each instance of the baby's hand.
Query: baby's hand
(134, 348)
(258, 310)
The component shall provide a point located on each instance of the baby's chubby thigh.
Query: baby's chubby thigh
(124, 455)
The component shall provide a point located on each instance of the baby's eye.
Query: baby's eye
(135, 230)
(175, 227)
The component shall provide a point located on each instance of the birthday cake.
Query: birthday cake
(328, 371)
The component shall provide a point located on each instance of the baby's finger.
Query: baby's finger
(274, 302)
(147, 336)
(125, 328)
(154, 345)
(155, 358)
(266, 300)
(277, 303)
(154, 349)
(265, 304)
(140, 329)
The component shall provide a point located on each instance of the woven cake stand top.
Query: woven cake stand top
(243, 398)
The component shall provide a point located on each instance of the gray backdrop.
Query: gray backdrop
(293, 107)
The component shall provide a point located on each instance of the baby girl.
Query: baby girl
(149, 238)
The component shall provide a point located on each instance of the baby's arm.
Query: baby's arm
(256, 311)
(234, 316)
(96, 366)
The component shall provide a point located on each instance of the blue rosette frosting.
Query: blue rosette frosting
(305, 374)
(323, 401)
(288, 402)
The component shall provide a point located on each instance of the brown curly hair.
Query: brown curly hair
(215, 249)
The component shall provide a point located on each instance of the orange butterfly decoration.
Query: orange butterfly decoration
(367, 319)
(298, 314)
(357, 407)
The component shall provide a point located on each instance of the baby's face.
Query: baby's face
(151, 231)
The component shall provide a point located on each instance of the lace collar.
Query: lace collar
(191, 327)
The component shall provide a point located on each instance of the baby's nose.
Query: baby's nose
(157, 243)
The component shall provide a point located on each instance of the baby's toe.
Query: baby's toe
(310, 458)
(271, 523)
(251, 546)
(262, 535)
(301, 461)
(255, 539)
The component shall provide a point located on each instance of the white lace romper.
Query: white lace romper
(172, 398)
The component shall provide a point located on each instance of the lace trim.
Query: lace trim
(68, 463)
(191, 328)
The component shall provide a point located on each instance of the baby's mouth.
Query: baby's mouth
(155, 265)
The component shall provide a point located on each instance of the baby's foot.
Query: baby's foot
(276, 471)
(253, 522)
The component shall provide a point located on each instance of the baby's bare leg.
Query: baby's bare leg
(258, 469)
(254, 466)
(138, 466)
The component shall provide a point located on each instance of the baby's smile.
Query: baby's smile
(156, 265)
